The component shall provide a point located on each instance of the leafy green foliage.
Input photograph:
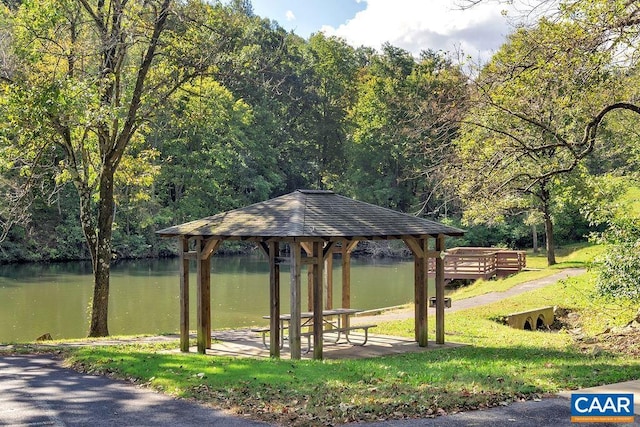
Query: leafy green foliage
(275, 112)
(214, 161)
(404, 117)
(536, 114)
(619, 267)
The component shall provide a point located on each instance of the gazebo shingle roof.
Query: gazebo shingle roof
(310, 214)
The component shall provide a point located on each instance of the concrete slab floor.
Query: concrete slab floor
(245, 343)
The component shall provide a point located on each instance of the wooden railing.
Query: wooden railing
(508, 262)
(476, 263)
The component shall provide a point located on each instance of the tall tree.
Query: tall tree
(213, 160)
(436, 97)
(538, 107)
(404, 119)
(267, 68)
(330, 69)
(242, 6)
(378, 168)
(89, 77)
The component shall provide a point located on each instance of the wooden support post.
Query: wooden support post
(274, 295)
(425, 270)
(440, 247)
(317, 301)
(206, 288)
(309, 251)
(419, 247)
(416, 280)
(184, 296)
(421, 294)
(346, 279)
(310, 286)
(204, 250)
(327, 279)
(201, 300)
(347, 247)
(294, 323)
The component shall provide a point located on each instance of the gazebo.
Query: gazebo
(315, 223)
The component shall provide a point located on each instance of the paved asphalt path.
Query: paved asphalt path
(38, 391)
(473, 302)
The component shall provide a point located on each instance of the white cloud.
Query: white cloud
(290, 15)
(417, 25)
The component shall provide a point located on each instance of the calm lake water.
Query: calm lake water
(54, 298)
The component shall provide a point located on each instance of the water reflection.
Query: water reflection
(54, 298)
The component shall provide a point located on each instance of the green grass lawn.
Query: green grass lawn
(482, 286)
(575, 255)
(498, 365)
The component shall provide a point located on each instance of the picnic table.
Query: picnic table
(334, 321)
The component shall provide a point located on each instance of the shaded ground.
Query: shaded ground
(37, 390)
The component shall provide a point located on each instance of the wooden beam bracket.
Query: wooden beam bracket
(210, 247)
(415, 247)
(348, 247)
(327, 250)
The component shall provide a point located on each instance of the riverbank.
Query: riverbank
(167, 249)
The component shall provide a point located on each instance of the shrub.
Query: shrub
(619, 267)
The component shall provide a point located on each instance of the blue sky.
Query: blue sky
(414, 25)
(305, 17)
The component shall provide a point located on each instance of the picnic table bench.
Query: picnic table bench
(332, 323)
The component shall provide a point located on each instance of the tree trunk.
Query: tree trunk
(548, 229)
(544, 195)
(534, 233)
(102, 260)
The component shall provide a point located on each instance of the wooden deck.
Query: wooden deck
(480, 263)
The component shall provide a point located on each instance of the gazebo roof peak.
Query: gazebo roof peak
(307, 191)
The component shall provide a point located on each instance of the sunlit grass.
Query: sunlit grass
(481, 286)
(501, 365)
(575, 255)
(478, 326)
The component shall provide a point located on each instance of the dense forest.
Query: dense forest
(531, 145)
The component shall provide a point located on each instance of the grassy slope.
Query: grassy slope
(501, 364)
